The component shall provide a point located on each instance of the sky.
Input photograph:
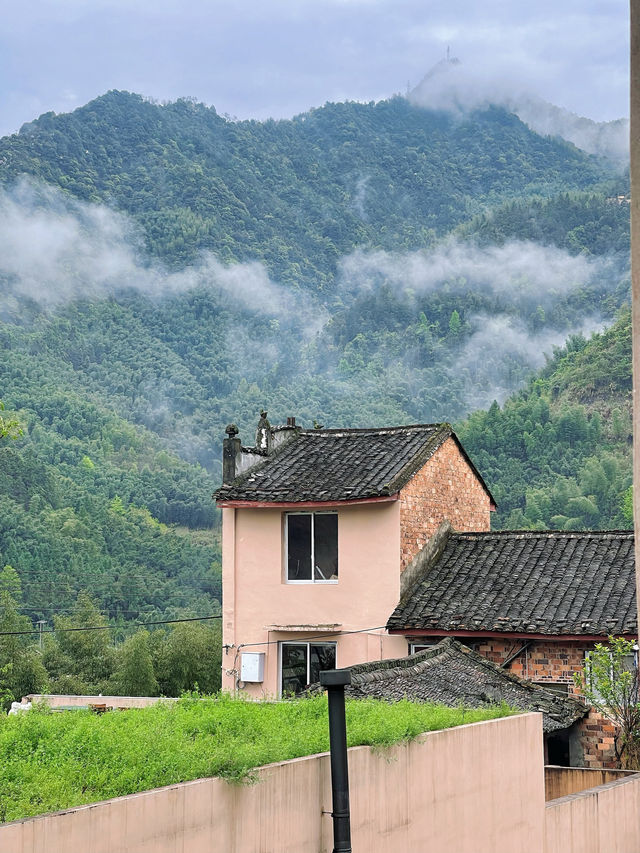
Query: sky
(277, 58)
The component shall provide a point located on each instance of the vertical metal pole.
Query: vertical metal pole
(634, 139)
(41, 623)
(335, 680)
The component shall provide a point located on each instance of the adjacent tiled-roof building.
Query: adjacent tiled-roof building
(452, 674)
(532, 601)
(528, 583)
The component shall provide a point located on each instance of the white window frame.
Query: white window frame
(423, 647)
(306, 643)
(312, 579)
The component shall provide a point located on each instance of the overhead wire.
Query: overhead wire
(110, 627)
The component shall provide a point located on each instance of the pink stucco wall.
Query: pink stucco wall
(605, 819)
(473, 789)
(256, 595)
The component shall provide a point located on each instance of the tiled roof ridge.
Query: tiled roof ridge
(541, 534)
(370, 430)
(383, 670)
(435, 440)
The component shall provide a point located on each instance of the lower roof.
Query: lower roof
(525, 582)
(452, 674)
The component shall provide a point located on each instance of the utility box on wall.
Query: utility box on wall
(252, 666)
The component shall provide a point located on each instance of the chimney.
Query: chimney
(291, 422)
(231, 449)
(263, 435)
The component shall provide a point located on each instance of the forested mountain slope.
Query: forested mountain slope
(297, 194)
(558, 454)
(165, 271)
(85, 503)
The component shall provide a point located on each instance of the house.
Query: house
(319, 530)
(451, 673)
(531, 601)
(344, 547)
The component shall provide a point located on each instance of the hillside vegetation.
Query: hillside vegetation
(298, 194)
(558, 454)
(166, 271)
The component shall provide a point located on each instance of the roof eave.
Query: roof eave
(244, 504)
(523, 635)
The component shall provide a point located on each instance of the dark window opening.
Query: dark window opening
(312, 547)
(557, 750)
(302, 663)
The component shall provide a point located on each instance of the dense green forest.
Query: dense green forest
(296, 194)
(558, 453)
(166, 270)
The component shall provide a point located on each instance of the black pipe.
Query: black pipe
(335, 680)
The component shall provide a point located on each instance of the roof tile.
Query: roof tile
(336, 465)
(526, 581)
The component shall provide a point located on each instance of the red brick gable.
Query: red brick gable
(445, 488)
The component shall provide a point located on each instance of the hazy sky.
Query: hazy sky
(260, 58)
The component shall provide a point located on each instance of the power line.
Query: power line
(110, 627)
(311, 639)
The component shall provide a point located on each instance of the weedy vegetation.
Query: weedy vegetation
(51, 761)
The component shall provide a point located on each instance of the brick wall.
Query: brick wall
(557, 661)
(596, 735)
(550, 661)
(444, 488)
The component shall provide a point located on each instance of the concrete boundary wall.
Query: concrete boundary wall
(473, 789)
(562, 781)
(58, 701)
(605, 819)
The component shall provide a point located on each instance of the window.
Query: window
(312, 547)
(414, 648)
(554, 686)
(302, 663)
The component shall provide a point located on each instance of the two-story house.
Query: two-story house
(320, 531)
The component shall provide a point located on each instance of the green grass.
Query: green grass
(51, 761)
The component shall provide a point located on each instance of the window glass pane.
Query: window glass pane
(294, 668)
(325, 536)
(299, 547)
(321, 656)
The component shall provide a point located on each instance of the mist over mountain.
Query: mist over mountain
(165, 271)
(456, 88)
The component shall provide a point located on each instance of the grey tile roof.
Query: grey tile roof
(340, 464)
(526, 582)
(452, 674)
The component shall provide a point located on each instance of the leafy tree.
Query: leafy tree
(21, 667)
(90, 652)
(9, 427)
(134, 674)
(189, 656)
(609, 682)
(627, 505)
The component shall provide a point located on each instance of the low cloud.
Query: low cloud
(520, 270)
(501, 348)
(457, 88)
(54, 249)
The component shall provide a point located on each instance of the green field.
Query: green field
(51, 761)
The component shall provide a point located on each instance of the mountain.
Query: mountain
(166, 271)
(558, 453)
(456, 88)
(297, 195)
